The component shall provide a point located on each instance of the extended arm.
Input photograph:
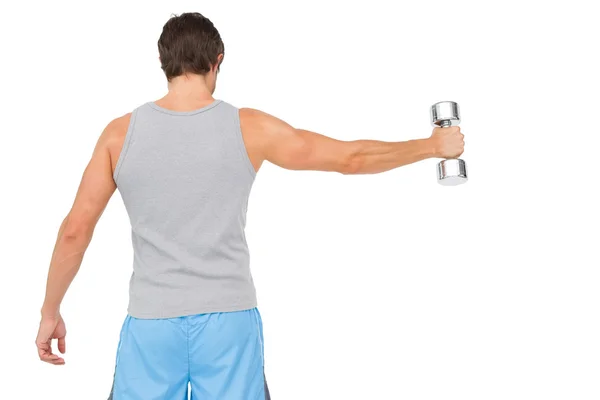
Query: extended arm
(74, 236)
(269, 138)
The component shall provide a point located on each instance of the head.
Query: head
(190, 44)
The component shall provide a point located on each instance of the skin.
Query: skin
(267, 139)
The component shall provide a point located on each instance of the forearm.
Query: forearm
(372, 157)
(64, 265)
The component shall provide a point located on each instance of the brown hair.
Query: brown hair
(189, 43)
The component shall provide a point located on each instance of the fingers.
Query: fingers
(450, 130)
(52, 359)
(51, 329)
(462, 140)
(58, 361)
(46, 355)
(450, 141)
(447, 131)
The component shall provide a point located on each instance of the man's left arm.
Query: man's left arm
(75, 233)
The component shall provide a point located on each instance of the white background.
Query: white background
(371, 287)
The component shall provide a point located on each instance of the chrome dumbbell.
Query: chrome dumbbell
(452, 171)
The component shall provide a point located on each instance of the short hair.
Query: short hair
(189, 43)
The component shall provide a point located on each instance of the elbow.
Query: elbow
(76, 230)
(352, 164)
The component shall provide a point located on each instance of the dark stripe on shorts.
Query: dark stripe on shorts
(110, 396)
(267, 395)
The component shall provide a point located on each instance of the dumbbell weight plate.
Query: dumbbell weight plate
(445, 113)
(452, 172)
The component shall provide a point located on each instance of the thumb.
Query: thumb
(62, 345)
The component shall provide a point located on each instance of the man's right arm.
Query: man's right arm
(271, 139)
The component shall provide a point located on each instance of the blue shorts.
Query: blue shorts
(218, 356)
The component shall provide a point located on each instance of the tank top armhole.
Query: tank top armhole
(241, 145)
(126, 145)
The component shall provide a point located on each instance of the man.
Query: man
(184, 166)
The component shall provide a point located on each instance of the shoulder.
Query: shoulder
(255, 115)
(252, 119)
(252, 113)
(113, 137)
(116, 130)
(118, 125)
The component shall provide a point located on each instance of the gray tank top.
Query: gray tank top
(185, 178)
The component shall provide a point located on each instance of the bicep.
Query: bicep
(295, 149)
(299, 149)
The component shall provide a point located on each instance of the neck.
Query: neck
(187, 92)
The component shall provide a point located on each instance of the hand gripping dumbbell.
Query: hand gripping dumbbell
(452, 171)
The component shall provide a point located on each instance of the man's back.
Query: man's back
(185, 178)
